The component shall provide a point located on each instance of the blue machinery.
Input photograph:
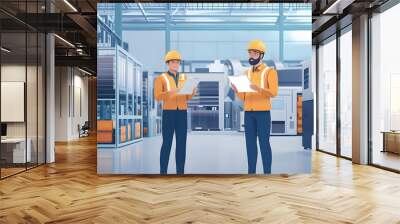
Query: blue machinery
(308, 108)
(284, 111)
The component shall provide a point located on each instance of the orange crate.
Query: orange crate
(129, 132)
(299, 114)
(104, 137)
(123, 133)
(137, 130)
(104, 125)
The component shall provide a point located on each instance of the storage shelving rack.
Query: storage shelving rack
(119, 98)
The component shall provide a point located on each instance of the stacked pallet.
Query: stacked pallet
(299, 114)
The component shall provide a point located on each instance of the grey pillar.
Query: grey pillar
(50, 92)
(50, 99)
(360, 90)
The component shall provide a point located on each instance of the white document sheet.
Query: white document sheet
(242, 83)
(189, 85)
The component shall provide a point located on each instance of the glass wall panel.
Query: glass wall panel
(31, 98)
(385, 89)
(22, 89)
(41, 98)
(327, 96)
(346, 93)
(32, 85)
(13, 86)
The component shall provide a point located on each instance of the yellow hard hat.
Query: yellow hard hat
(172, 55)
(257, 45)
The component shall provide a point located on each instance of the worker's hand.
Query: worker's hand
(255, 87)
(195, 92)
(173, 91)
(234, 88)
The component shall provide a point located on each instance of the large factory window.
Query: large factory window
(296, 45)
(346, 93)
(385, 90)
(327, 96)
(199, 44)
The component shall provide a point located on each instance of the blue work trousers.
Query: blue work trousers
(173, 121)
(258, 124)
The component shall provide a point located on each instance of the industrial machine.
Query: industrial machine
(307, 107)
(284, 111)
(215, 107)
(206, 109)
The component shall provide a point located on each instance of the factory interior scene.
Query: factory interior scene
(257, 111)
(212, 48)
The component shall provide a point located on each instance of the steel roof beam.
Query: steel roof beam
(215, 26)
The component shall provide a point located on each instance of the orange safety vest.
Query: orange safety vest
(163, 84)
(267, 79)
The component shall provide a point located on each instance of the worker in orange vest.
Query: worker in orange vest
(174, 114)
(257, 106)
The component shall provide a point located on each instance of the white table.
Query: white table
(19, 153)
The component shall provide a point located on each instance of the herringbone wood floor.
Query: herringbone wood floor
(70, 191)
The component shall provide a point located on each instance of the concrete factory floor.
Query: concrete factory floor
(207, 153)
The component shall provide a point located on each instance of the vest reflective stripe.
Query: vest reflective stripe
(166, 81)
(164, 75)
(264, 72)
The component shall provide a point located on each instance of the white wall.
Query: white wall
(70, 83)
(11, 73)
(148, 47)
(62, 81)
(33, 126)
(17, 73)
(80, 83)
